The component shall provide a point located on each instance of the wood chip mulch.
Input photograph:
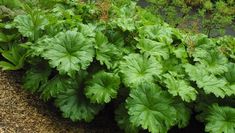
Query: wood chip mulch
(22, 112)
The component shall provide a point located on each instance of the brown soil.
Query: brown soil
(22, 112)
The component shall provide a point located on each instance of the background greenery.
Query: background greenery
(211, 17)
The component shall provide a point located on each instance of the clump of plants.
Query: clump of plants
(83, 55)
(211, 17)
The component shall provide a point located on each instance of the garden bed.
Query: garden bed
(22, 112)
(109, 64)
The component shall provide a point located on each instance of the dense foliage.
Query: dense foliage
(83, 55)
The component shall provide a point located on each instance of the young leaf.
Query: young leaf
(151, 108)
(88, 30)
(69, 52)
(102, 87)
(181, 53)
(125, 23)
(16, 57)
(138, 68)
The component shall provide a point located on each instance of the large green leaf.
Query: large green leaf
(210, 83)
(213, 61)
(75, 106)
(35, 78)
(102, 87)
(230, 78)
(73, 103)
(125, 18)
(31, 25)
(69, 52)
(154, 48)
(230, 74)
(54, 87)
(220, 119)
(106, 52)
(161, 33)
(151, 108)
(138, 68)
(179, 87)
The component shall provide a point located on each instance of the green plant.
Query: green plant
(211, 17)
(82, 57)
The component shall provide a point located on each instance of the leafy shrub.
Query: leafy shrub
(82, 56)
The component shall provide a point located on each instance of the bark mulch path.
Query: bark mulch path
(22, 112)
